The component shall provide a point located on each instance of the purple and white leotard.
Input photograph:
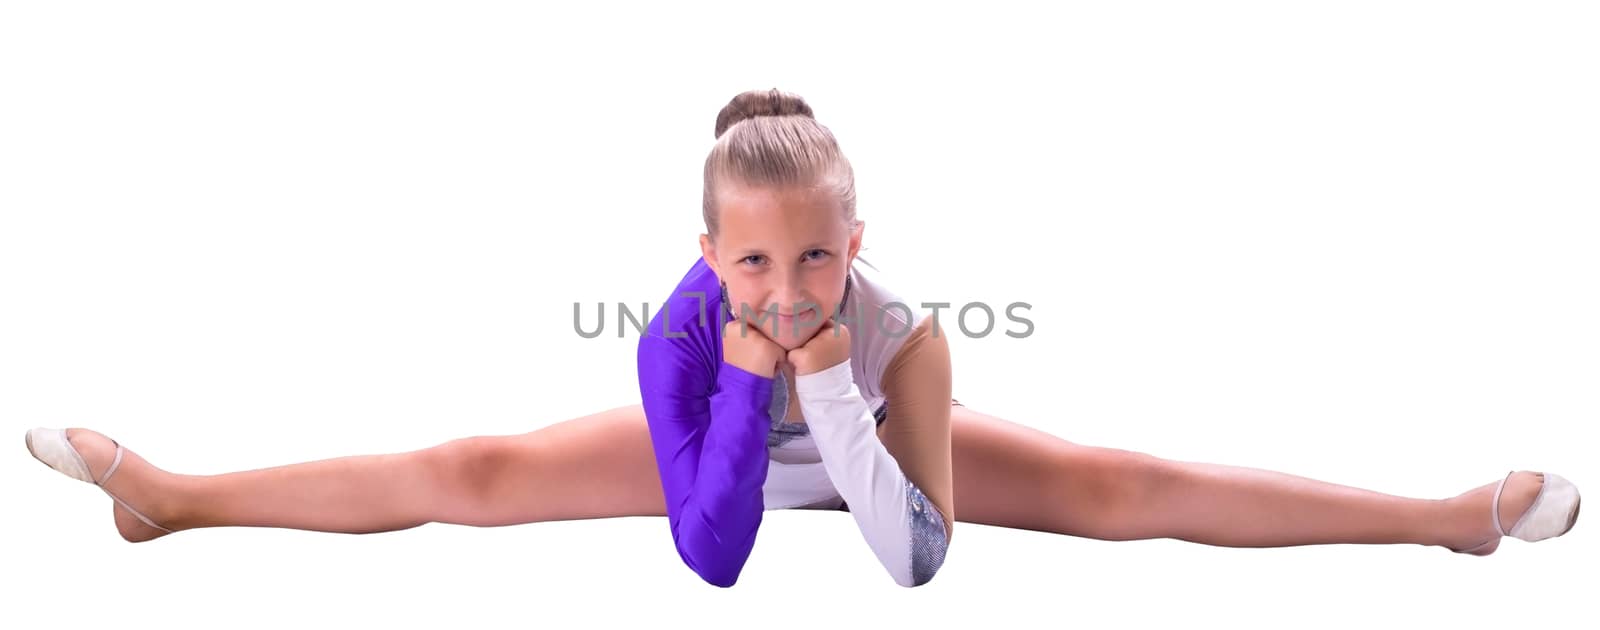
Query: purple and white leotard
(725, 453)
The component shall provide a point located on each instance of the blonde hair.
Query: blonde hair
(770, 138)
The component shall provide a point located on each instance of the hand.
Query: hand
(829, 347)
(747, 347)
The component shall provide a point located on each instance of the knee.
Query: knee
(471, 468)
(1124, 484)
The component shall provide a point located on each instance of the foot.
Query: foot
(1477, 535)
(135, 481)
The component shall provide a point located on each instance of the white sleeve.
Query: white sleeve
(904, 529)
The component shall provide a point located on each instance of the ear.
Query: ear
(855, 239)
(708, 251)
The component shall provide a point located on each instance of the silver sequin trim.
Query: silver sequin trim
(928, 540)
(782, 432)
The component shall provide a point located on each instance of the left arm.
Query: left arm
(898, 487)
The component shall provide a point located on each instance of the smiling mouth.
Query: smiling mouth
(804, 316)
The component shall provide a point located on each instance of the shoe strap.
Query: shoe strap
(1495, 508)
(134, 512)
(114, 463)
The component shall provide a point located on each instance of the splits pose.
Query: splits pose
(785, 372)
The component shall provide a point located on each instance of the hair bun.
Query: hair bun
(755, 103)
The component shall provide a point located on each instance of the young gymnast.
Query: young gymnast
(785, 372)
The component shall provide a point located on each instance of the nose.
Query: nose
(789, 296)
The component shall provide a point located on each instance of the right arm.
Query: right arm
(710, 446)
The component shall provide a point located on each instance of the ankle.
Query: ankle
(177, 505)
(1460, 522)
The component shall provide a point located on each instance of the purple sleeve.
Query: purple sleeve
(708, 423)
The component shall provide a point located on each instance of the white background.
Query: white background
(1354, 242)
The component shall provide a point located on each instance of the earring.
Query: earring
(843, 300)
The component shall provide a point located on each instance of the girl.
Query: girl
(814, 386)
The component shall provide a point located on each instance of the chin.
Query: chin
(791, 340)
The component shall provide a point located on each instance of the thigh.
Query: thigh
(1011, 475)
(595, 466)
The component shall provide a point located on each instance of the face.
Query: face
(785, 252)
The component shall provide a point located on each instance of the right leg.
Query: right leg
(595, 466)
(1053, 485)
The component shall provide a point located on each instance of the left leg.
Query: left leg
(1010, 475)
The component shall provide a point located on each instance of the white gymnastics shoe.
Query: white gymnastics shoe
(52, 447)
(1553, 512)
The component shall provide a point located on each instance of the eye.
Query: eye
(819, 254)
(748, 259)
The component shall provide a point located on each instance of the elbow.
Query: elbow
(717, 565)
(721, 571)
(919, 567)
(721, 575)
(929, 543)
(715, 553)
(917, 577)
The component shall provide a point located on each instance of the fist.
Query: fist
(747, 347)
(829, 347)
